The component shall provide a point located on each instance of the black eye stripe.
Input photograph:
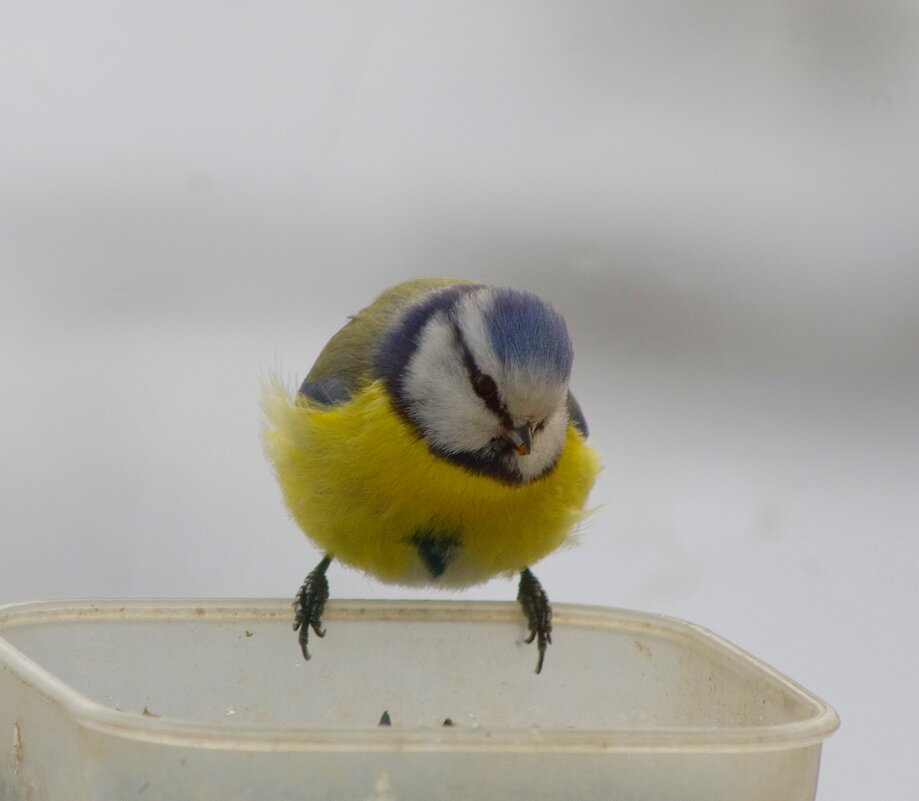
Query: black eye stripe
(482, 384)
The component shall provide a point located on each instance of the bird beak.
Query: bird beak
(522, 438)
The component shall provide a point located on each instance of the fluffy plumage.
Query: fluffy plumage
(362, 484)
(435, 442)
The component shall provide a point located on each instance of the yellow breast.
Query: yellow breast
(364, 487)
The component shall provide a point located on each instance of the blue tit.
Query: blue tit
(435, 442)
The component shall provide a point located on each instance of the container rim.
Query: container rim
(811, 730)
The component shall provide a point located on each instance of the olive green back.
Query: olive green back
(348, 356)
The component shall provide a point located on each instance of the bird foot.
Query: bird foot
(535, 603)
(309, 604)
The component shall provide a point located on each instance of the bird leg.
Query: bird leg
(310, 602)
(535, 603)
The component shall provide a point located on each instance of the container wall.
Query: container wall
(44, 754)
(171, 774)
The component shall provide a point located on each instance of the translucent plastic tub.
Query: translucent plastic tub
(172, 700)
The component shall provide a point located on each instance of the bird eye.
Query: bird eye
(484, 385)
(540, 425)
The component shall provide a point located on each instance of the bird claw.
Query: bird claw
(310, 603)
(535, 603)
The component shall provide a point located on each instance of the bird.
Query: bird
(435, 441)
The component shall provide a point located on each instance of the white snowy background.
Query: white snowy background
(721, 197)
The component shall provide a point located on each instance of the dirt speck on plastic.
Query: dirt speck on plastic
(17, 744)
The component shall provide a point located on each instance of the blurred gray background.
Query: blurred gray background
(721, 197)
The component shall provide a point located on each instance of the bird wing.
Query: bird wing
(576, 415)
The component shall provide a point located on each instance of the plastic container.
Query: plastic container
(172, 700)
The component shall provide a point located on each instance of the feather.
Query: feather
(361, 484)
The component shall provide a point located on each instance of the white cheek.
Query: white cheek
(442, 402)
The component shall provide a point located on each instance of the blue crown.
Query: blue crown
(526, 331)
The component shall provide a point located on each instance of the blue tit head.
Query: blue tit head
(482, 373)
